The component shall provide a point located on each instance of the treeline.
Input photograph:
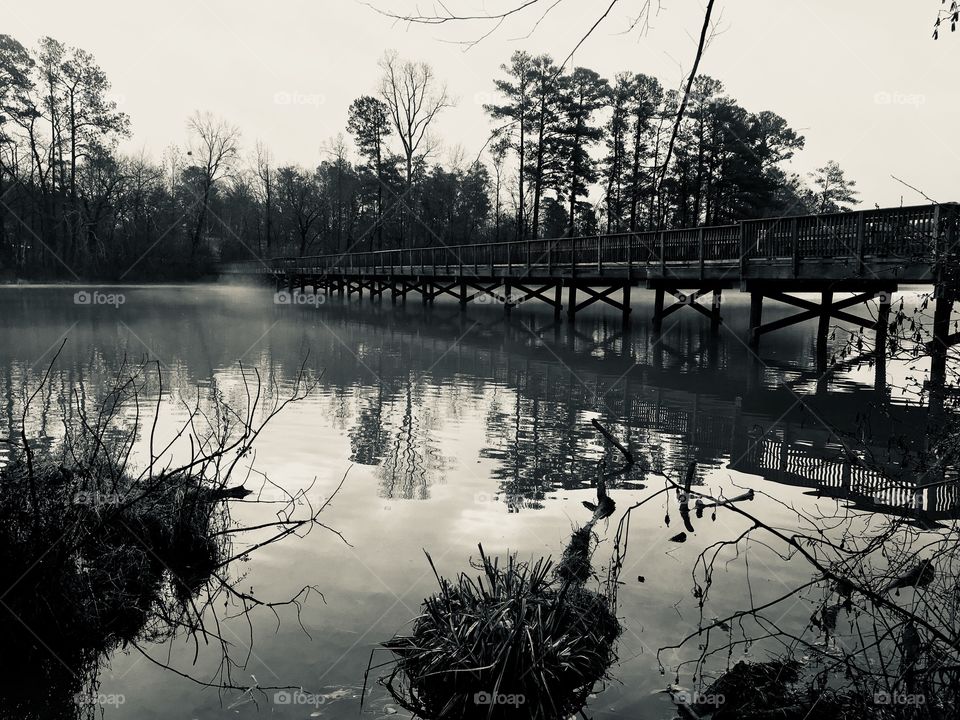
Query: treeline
(569, 152)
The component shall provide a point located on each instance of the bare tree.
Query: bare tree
(414, 98)
(214, 147)
(265, 174)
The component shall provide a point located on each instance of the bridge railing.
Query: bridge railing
(890, 232)
(907, 232)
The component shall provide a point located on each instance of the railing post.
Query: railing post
(743, 248)
(861, 232)
(700, 249)
(795, 245)
(663, 254)
(549, 257)
(599, 255)
(629, 255)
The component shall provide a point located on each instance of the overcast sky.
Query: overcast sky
(861, 79)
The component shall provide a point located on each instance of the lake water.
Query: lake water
(455, 429)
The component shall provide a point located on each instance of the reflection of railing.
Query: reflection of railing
(834, 472)
(903, 232)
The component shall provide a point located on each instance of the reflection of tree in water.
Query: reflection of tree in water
(369, 439)
(413, 460)
(543, 444)
(393, 431)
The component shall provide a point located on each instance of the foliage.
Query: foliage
(570, 152)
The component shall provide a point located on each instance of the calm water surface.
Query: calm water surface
(455, 429)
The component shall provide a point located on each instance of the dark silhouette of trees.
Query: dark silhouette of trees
(369, 123)
(215, 147)
(831, 190)
(569, 152)
(514, 118)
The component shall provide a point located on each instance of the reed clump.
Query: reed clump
(513, 640)
(516, 640)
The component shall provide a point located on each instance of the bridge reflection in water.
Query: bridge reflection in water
(688, 395)
(397, 378)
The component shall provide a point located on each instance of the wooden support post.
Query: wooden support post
(939, 348)
(626, 304)
(463, 295)
(880, 335)
(715, 311)
(756, 318)
(823, 329)
(557, 301)
(658, 309)
(507, 300)
(572, 301)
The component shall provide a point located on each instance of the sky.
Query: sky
(862, 80)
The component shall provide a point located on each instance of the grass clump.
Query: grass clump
(516, 640)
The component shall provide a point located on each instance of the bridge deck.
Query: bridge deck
(870, 246)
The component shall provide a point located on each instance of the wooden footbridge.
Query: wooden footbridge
(868, 254)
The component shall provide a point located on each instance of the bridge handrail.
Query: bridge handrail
(897, 232)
